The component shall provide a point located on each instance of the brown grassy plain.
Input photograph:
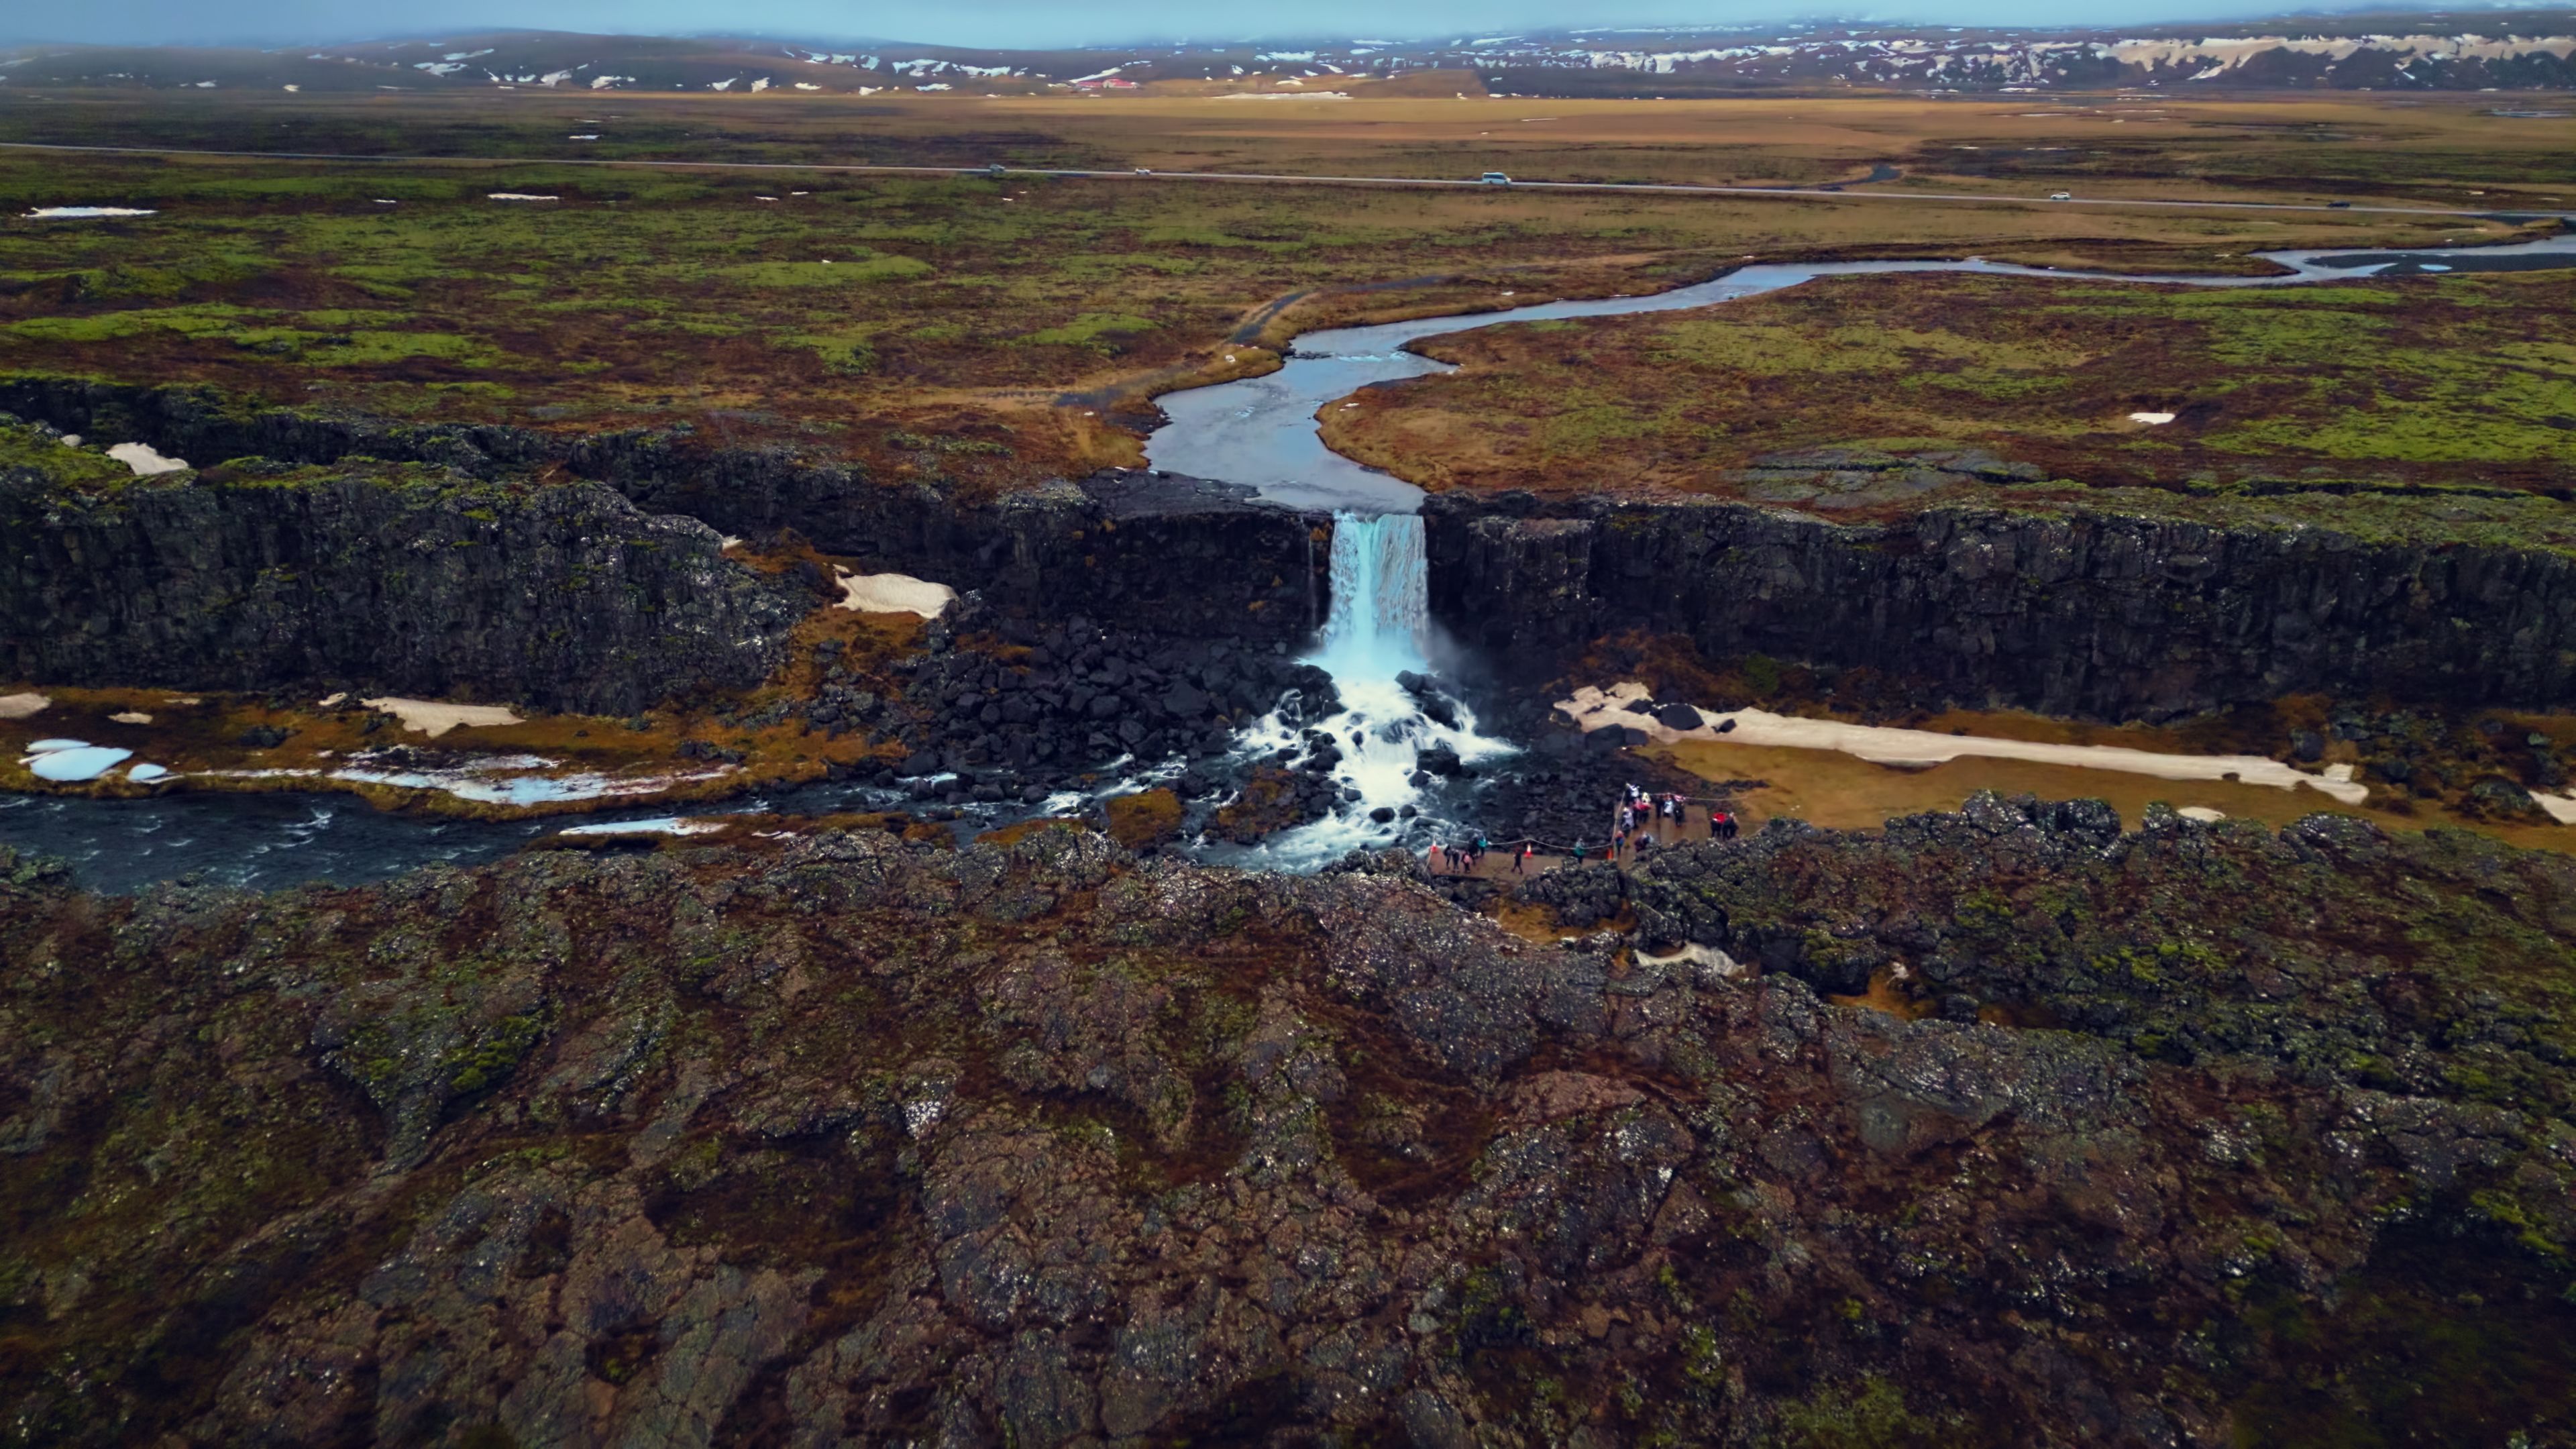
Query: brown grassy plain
(1011, 315)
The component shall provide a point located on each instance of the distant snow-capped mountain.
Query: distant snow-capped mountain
(2499, 50)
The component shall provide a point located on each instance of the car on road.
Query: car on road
(2338, 206)
(1496, 178)
(1144, 170)
(995, 169)
(2061, 196)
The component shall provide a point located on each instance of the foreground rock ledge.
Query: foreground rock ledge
(859, 1142)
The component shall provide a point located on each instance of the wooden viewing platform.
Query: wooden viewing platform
(1497, 864)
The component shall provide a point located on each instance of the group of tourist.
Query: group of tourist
(1638, 809)
(1463, 859)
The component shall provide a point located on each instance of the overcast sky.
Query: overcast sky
(1009, 23)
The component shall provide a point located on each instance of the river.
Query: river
(1258, 432)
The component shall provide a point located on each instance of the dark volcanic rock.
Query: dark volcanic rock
(846, 1140)
(407, 581)
(1134, 549)
(2101, 615)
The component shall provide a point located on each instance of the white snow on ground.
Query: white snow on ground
(2561, 808)
(131, 716)
(518, 196)
(661, 825)
(145, 774)
(67, 762)
(22, 706)
(485, 782)
(83, 213)
(2151, 419)
(144, 460)
(1710, 961)
(436, 717)
(1594, 708)
(893, 594)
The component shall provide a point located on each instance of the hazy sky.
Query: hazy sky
(994, 22)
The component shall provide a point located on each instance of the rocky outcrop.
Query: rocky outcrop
(2082, 614)
(1045, 703)
(407, 580)
(840, 1139)
(1133, 550)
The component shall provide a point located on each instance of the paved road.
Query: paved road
(1278, 179)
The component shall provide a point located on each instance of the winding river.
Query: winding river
(1258, 432)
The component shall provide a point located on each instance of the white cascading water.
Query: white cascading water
(1379, 626)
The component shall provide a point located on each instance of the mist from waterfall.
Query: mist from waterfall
(1377, 628)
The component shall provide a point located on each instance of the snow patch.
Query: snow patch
(660, 825)
(893, 594)
(69, 762)
(1595, 708)
(144, 460)
(436, 717)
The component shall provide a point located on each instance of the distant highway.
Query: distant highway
(1631, 188)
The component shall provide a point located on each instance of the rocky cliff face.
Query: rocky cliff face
(1131, 550)
(2068, 614)
(843, 1140)
(409, 580)
(2085, 614)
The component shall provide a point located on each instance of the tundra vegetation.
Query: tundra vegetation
(1996, 1126)
(2015, 1130)
(839, 310)
(2441, 399)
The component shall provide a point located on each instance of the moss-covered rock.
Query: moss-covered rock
(2264, 1136)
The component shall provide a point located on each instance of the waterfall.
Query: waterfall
(1378, 627)
(1381, 611)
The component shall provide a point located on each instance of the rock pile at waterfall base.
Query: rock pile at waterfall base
(844, 1140)
(1016, 709)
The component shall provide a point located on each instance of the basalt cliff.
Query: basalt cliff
(407, 579)
(2100, 614)
(2108, 613)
